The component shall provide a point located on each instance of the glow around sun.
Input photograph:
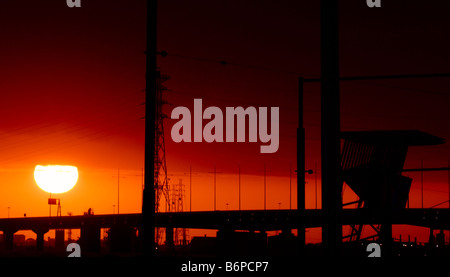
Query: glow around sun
(56, 178)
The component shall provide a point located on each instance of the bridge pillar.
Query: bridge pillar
(59, 239)
(40, 232)
(8, 238)
(169, 239)
(122, 238)
(431, 237)
(90, 237)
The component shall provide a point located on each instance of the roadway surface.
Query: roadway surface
(235, 220)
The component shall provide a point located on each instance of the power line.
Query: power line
(360, 79)
(383, 77)
(440, 93)
(224, 62)
(228, 100)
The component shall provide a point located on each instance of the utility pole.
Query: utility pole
(190, 188)
(239, 169)
(264, 186)
(290, 185)
(142, 183)
(215, 187)
(215, 173)
(421, 180)
(301, 172)
(118, 182)
(148, 206)
(315, 182)
(118, 189)
(330, 127)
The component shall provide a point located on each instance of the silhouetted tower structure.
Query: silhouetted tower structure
(69, 232)
(330, 127)
(372, 163)
(161, 181)
(178, 196)
(148, 197)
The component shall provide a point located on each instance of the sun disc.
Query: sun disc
(56, 178)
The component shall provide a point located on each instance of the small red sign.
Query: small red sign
(52, 201)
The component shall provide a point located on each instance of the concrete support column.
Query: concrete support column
(169, 236)
(8, 237)
(122, 238)
(90, 237)
(40, 232)
(59, 239)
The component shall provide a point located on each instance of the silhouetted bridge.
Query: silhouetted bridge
(253, 220)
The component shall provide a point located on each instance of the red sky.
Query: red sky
(72, 80)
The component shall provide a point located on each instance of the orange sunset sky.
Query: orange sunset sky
(72, 81)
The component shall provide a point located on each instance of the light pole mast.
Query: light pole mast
(148, 206)
(330, 126)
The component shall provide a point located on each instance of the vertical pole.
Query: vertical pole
(421, 180)
(239, 186)
(315, 181)
(290, 186)
(58, 211)
(142, 188)
(301, 171)
(264, 186)
(190, 188)
(214, 187)
(386, 227)
(148, 206)
(50, 207)
(330, 127)
(118, 177)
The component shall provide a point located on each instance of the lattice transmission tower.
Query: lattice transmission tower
(161, 180)
(178, 197)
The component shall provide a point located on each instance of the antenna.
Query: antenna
(239, 169)
(215, 173)
(190, 188)
(118, 186)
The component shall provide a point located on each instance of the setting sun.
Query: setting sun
(56, 178)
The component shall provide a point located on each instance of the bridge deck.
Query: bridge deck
(235, 220)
